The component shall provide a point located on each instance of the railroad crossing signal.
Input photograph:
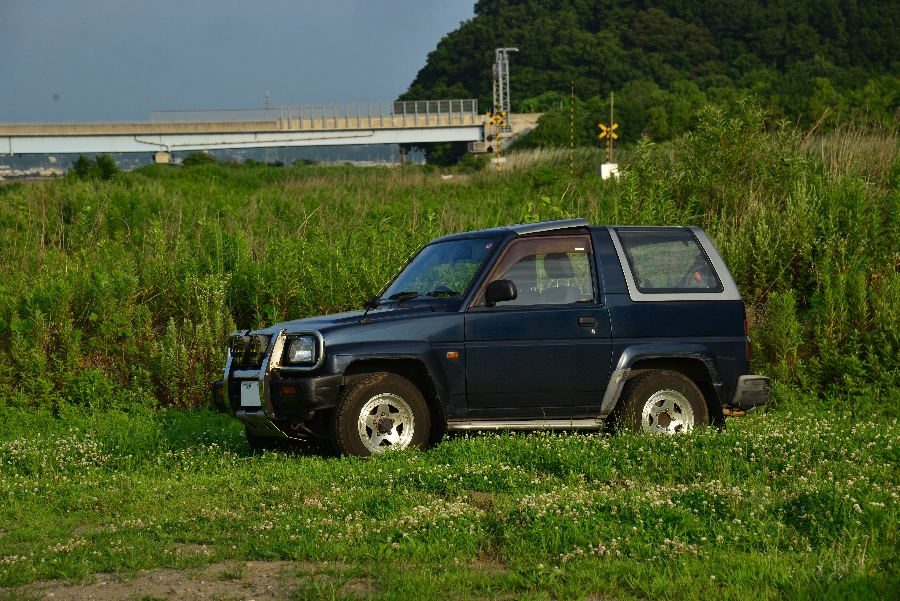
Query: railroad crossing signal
(499, 118)
(604, 131)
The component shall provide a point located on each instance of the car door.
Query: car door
(547, 352)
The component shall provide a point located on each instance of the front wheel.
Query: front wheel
(378, 412)
(661, 402)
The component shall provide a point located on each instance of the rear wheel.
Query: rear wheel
(660, 402)
(378, 412)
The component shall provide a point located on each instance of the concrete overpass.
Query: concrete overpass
(406, 122)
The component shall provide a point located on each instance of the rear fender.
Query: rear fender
(654, 356)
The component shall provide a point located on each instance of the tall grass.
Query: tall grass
(809, 230)
(122, 292)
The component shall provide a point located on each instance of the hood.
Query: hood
(323, 323)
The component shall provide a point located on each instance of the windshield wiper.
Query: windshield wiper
(403, 296)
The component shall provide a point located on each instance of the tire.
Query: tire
(378, 412)
(660, 402)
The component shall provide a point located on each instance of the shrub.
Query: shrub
(199, 158)
(103, 167)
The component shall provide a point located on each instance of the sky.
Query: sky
(117, 60)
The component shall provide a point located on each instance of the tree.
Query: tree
(801, 58)
(106, 166)
(82, 167)
(199, 158)
(103, 167)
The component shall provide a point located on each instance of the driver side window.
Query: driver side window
(546, 271)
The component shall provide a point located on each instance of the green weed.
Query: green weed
(790, 503)
(121, 293)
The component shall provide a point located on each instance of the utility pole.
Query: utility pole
(611, 122)
(572, 132)
(609, 169)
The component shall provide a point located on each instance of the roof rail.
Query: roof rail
(545, 226)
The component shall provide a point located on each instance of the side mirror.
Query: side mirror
(372, 303)
(499, 291)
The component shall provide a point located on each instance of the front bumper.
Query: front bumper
(288, 397)
(751, 392)
(276, 400)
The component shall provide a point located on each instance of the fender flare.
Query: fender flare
(420, 352)
(636, 352)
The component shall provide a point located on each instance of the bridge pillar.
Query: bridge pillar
(162, 158)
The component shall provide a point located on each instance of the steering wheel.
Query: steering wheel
(441, 289)
(694, 271)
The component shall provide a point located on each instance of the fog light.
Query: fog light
(288, 390)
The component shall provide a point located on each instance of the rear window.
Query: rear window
(667, 260)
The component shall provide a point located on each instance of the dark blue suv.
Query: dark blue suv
(554, 325)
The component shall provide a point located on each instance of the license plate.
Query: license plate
(250, 394)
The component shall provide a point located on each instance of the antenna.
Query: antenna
(268, 101)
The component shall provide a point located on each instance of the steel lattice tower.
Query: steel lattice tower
(501, 79)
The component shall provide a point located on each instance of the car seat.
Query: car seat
(558, 267)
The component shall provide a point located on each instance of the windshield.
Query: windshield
(443, 269)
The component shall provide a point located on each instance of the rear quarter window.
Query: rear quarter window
(667, 261)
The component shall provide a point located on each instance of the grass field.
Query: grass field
(117, 296)
(781, 506)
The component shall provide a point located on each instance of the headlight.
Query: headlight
(302, 350)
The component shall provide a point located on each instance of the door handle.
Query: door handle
(587, 321)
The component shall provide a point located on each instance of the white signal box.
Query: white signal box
(608, 170)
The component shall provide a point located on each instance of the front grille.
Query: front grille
(247, 352)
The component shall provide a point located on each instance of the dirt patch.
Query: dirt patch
(194, 549)
(482, 500)
(360, 587)
(88, 529)
(253, 580)
(488, 566)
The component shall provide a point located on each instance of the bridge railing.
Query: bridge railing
(350, 115)
(211, 116)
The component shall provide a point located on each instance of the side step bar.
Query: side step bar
(591, 423)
